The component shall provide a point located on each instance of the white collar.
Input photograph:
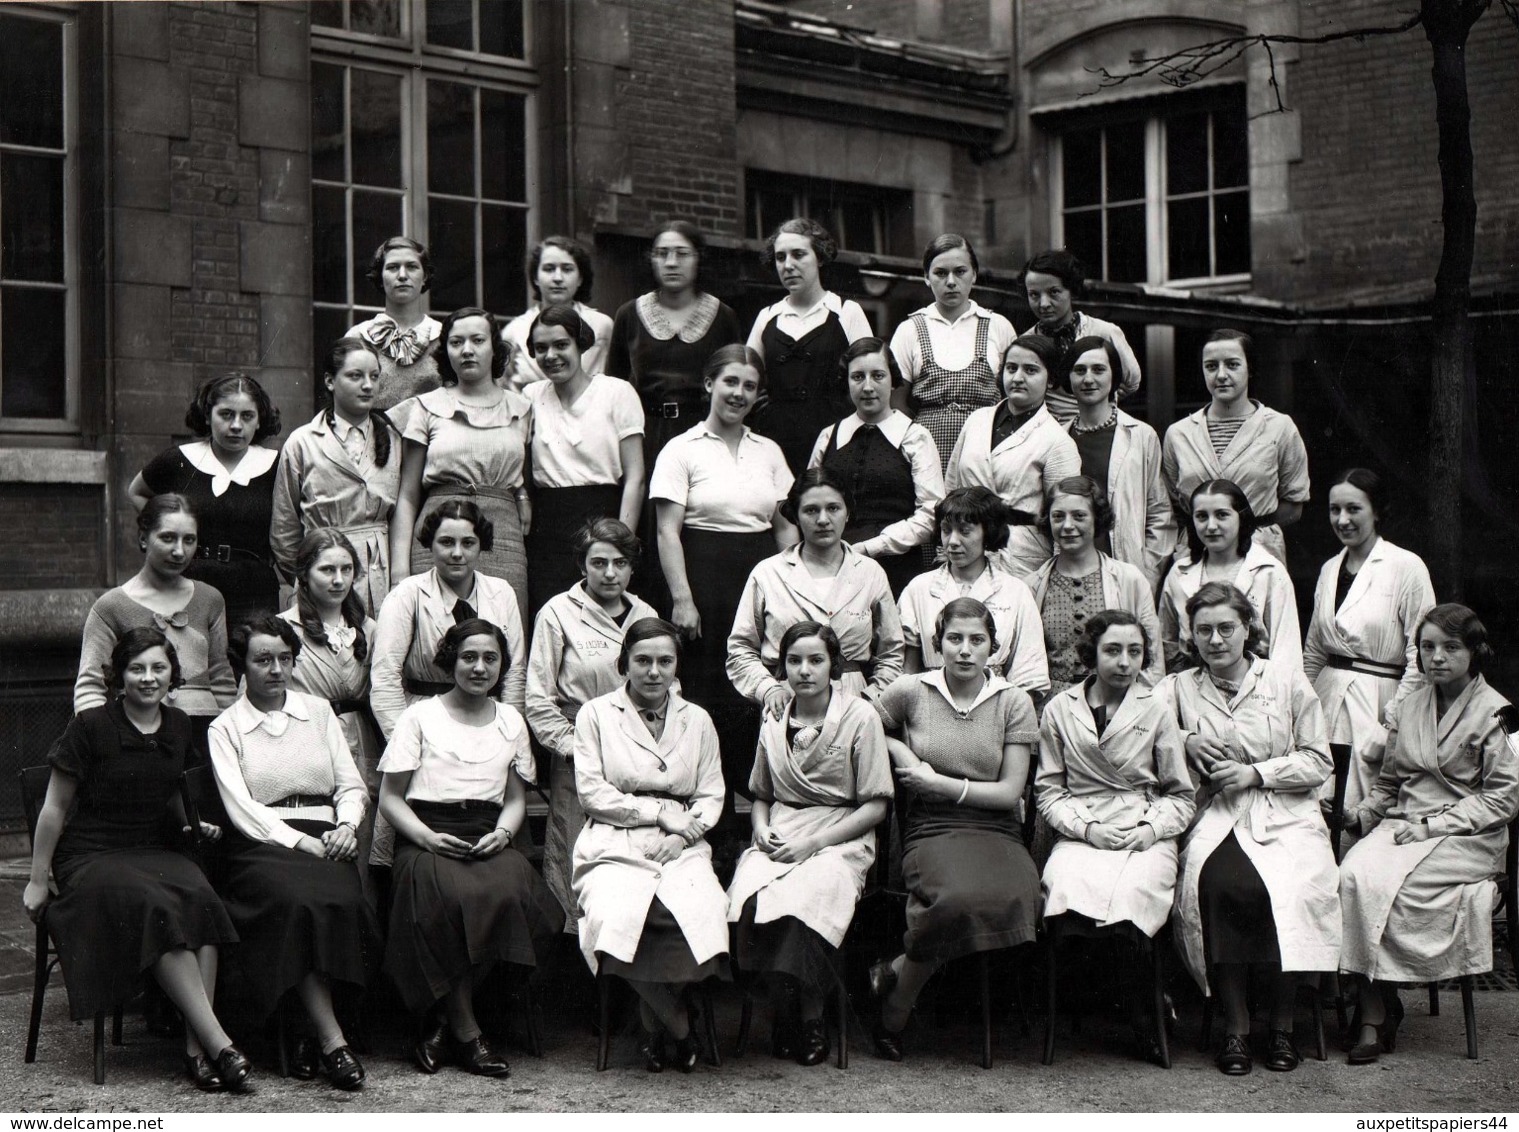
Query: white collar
(994, 684)
(255, 462)
(248, 718)
(972, 309)
(829, 300)
(893, 428)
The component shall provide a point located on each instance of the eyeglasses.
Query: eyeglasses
(1223, 632)
(659, 255)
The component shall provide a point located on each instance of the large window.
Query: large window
(38, 284)
(1158, 198)
(863, 218)
(421, 114)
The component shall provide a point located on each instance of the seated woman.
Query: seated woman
(964, 761)
(575, 644)
(821, 785)
(1258, 880)
(463, 899)
(1113, 785)
(126, 902)
(1417, 890)
(292, 887)
(972, 526)
(651, 782)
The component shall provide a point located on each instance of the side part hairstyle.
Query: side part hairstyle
(976, 507)
(1085, 346)
(332, 365)
(463, 509)
(1100, 623)
(312, 547)
(1237, 499)
(568, 318)
(864, 347)
(1372, 486)
(967, 607)
(804, 629)
(949, 242)
(646, 630)
(1462, 623)
(824, 246)
(809, 480)
(692, 235)
(576, 251)
(1060, 263)
(132, 644)
(213, 389)
(376, 272)
(612, 531)
(446, 372)
(1087, 488)
(153, 512)
(1047, 350)
(736, 354)
(1246, 345)
(259, 625)
(447, 654)
(1222, 593)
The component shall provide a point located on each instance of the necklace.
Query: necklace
(1080, 429)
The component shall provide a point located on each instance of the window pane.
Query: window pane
(1083, 238)
(1231, 232)
(450, 23)
(1126, 161)
(1231, 153)
(859, 227)
(503, 248)
(327, 326)
(327, 13)
(503, 146)
(31, 82)
(1187, 154)
(376, 127)
(329, 253)
(31, 218)
(451, 243)
(1126, 244)
(501, 28)
(1081, 163)
(327, 123)
(1191, 391)
(32, 325)
(376, 218)
(450, 138)
(1187, 224)
(375, 17)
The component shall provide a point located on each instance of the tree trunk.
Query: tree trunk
(1446, 24)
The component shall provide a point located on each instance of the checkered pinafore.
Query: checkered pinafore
(943, 398)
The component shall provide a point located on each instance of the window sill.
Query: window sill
(53, 465)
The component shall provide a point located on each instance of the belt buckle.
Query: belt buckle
(223, 553)
(670, 410)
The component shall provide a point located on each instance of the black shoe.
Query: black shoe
(883, 978)
(343, 1069)
(475, 1056)
(203, 1073)
(1281, 1054)
(306, 1061)
(1365, 1053)
(812, 1049)
(652, 1046)
(887, 1043)
(1234, 1058)
(687, 1053)
(235, 1070)
(431, 1051)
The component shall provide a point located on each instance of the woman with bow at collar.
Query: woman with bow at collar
(405, 335)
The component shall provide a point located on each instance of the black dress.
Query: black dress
(806, 392)
(126, 898)
(880, 478)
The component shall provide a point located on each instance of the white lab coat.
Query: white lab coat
(1123, 587)
(1144, 525)
(1263, 579)
(1019, 654)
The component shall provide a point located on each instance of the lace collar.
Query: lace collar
(656, 319)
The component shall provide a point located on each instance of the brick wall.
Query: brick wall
(52, 536)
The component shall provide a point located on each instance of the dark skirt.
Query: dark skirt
(663, 954)
(248, 585)
(901, 568)
(296, 914)
(119, 911)
(1238, 926)
(784, 947)
(558, 515)
(971, 886)
(449, 916)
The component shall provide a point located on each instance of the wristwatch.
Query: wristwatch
(503, 829)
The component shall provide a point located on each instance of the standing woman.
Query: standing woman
(191, 615)
(296, 801)
(890, 463)
(964, 761)
(1221, 538)
(802, 338)
(1052, 281)
(650, 779)
(560, 272)
(1018, 450)
(950, 351)
(1361, 652)
(972, 527)
(1123, 456)
(341, 471)
(587, 450)
(1237, 438)
(465, 899)
(1113, 785)
(1418, 889)
(405, 335)
(576, 640)
(1081, 581)
(468, 440)
(821, 785)
(126, 902)
(228, 477)
(1258, 883)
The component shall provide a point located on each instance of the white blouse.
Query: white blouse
(457, 762)
(719, 491)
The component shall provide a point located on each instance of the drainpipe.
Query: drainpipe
(1007, 140)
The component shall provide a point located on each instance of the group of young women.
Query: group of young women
(928, 565)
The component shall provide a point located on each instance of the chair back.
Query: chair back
(1341, 754)
(203, 803)
(33, 781)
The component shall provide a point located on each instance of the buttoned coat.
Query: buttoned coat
(1144, 525)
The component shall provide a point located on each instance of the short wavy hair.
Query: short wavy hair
(465, 510)
(447, 654)
(1098, 624)
(213, 389)
(1087, 488)
(824, 246)
(376, 272)
(566, 317)
(446, 372)
(1210, 594)
(576, 251)
(263, 624)
(132, 644)
(614, 532)
(800, 632)
(1461, 622)
(975, 506)
(1060, 263)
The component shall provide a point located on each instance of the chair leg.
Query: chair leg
(534, 1030)
(1339, 1002)
(100, 1047)
(41, 969)
(709, 1021)
(1158, 981)
(982, 966)
(1205, 1034)
(116, 1027)
(1469, 1010)
(1434, 1000)
(604, 1008)
(843, 992)
(282, 1036)
(1049, 1000)
(745, 1020)
(1320, 1050)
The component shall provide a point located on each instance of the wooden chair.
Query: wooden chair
(33, 782)
(707, 1030)
(1056, 930)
